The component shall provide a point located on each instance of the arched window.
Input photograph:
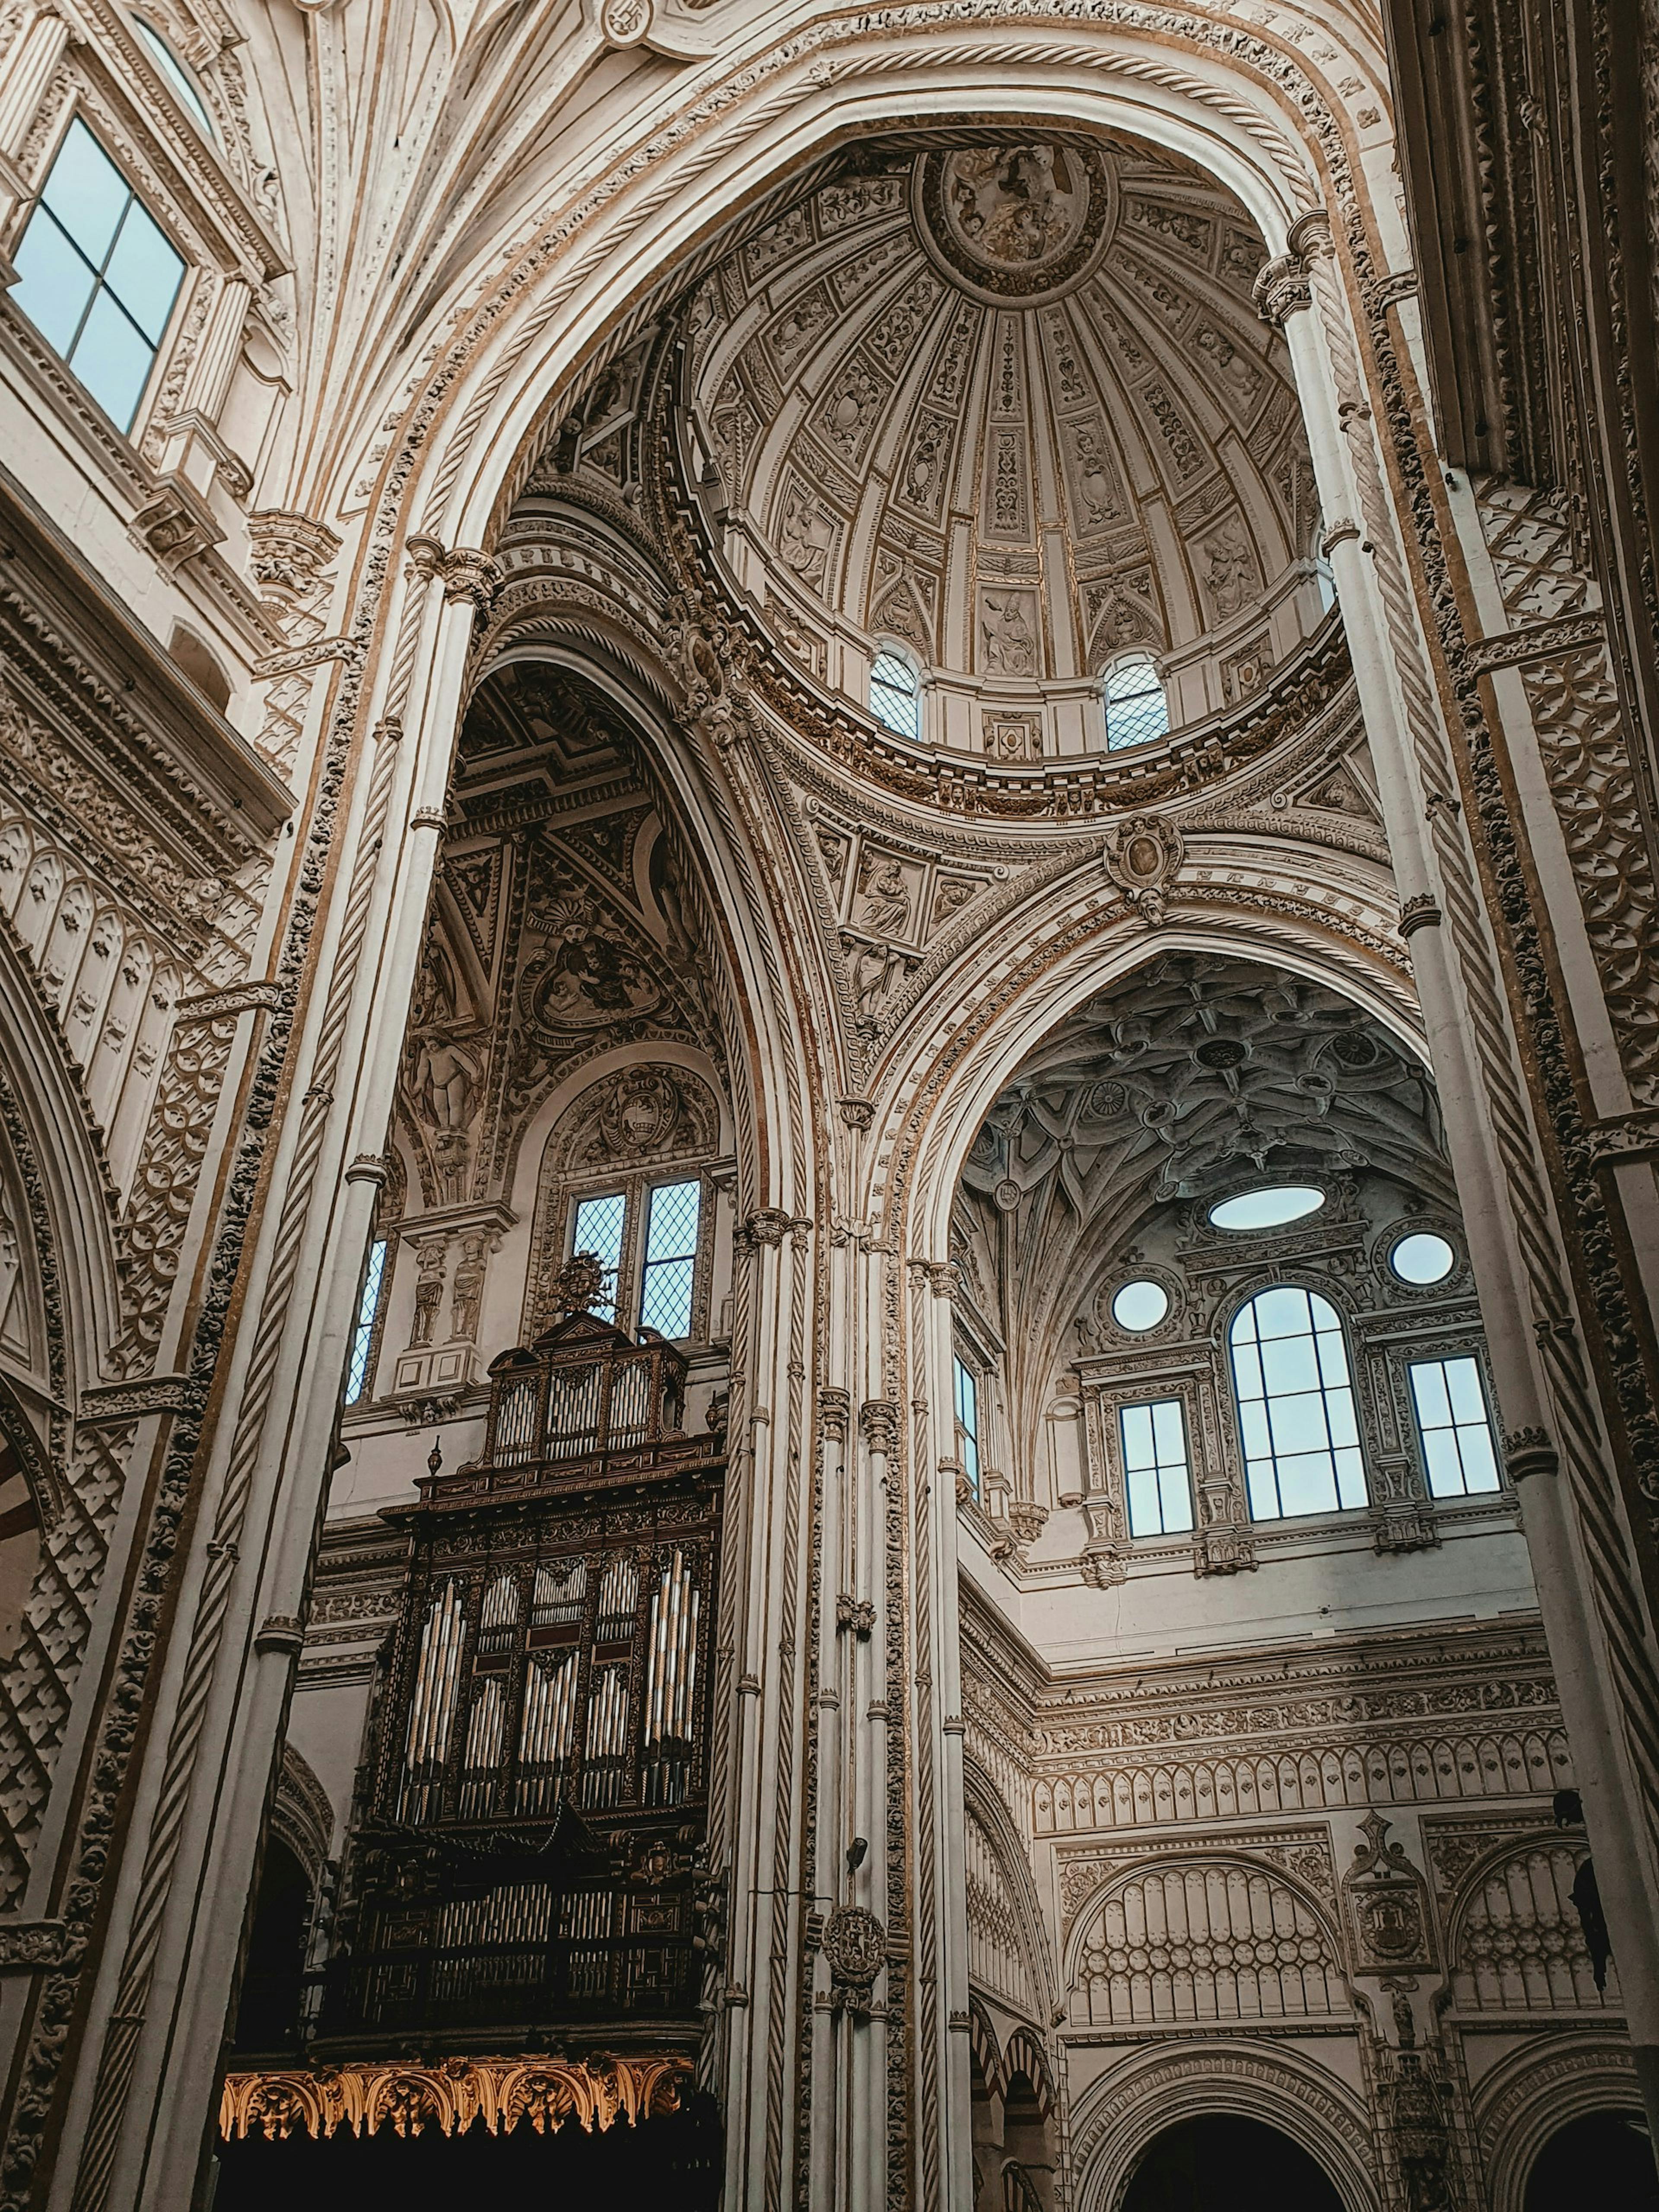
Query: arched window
(176, 75)
(1296, 1410)
(359, 1366)
(1137, 706)
(896, 693)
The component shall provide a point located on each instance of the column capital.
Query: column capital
(879, 1422)
(1282, 289)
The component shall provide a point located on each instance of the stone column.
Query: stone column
(146, 2079)
(1589, 1593)
(762, 1631)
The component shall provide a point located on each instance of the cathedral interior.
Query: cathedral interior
(829, 1071)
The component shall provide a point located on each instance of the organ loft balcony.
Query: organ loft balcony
(526, 1868)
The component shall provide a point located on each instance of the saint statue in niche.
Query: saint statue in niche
(1009, 644)
(886, 909)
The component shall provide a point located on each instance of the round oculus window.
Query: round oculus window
(1267, 1209)
(1422, 1258)
(1140, 1306)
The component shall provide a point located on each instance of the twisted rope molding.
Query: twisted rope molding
(119, 2053)
(1594, 1484)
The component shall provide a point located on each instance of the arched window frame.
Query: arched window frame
(1311, 1287)
(884, 691)
(175, 72)
(1131, 719)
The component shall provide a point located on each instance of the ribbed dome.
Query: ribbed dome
(1011, 403)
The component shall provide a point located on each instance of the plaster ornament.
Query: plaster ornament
(1022, 221)
(1387, 1901)
(1142, 854)
(854, 1947)
(885, 911)
(641, 1113)
(1010, 645)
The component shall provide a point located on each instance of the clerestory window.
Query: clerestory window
(1296, 1405)
(896, 693)
(1156, 1479)
(1453, 1427)
(96, 276)
(368, 1314)
(967, 1407)
(1137, 705)
(607, 1224)
(176, 75)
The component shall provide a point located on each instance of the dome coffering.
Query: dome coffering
(1010, 406)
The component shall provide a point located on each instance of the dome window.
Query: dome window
(183, 83)
(1137, 705)
(1139, 1306)
(1422, 1258)
(1269, 1208)
(896, 693)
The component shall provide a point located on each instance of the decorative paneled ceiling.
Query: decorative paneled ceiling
(1012, 403)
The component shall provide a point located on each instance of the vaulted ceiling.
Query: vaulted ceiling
(1012, 403)
(1188, 1079)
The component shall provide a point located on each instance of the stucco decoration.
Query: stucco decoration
(929, 375)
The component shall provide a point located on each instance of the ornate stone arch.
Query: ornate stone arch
(984, 1804)
(57, 1199)
(1113, 2123)
(1025, 2055)
(1299, 1953)
(303, 1814)
(1546, 2084)
(1247, 105)
(982, 2043)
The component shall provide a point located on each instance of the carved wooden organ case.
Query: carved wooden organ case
(535, 1798)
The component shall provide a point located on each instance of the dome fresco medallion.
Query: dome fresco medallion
(1022, 221)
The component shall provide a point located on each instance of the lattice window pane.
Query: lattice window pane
(598, 1230)
(671, 1258)
(1137, 705)
(895, 696)
(1453, 1425)
(1157, 1480)
(96, 275)
(967, 1395)
(362, 1336)
(1296, 1410)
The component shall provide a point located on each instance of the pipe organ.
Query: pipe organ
(528, 1853)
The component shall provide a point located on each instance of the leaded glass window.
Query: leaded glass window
(671, 1258)
(598, 1230)
(895, 694)
(1295, 1408)
(967, 1397)
(1452, 1424)
(368, 1310)
(1137, 706)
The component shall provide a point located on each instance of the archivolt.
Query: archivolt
(1269, 132)
(1113, 2123)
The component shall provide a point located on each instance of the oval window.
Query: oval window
(1267, 1209)
(1139, 1306)
(1422, 1258)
